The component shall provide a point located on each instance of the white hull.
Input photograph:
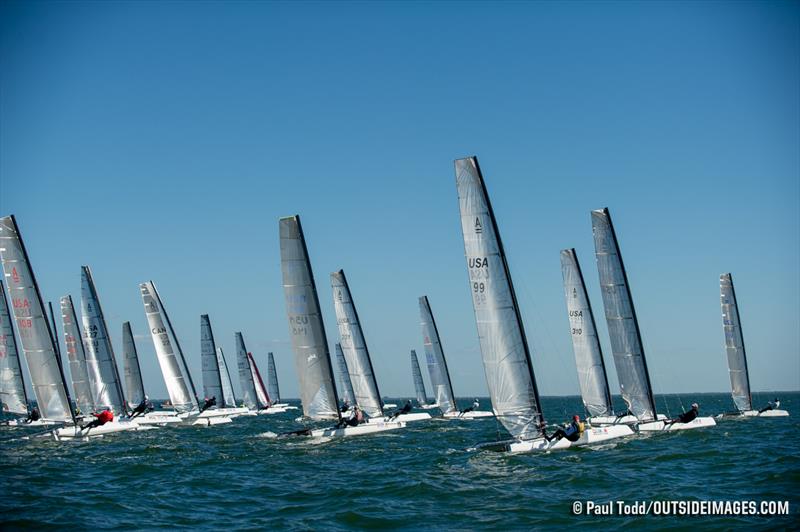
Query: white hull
(590, 436)
(428, 407)
(215, 416)
(468, 415)
(285, 406)
(38, 423)
(614, 420)
(389, 405)
(158, 418)
(753, 413)
(417, 416)
(73, 432)
(272, 410)
(696, 423)
(358, 430)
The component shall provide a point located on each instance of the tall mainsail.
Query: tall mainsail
(249, 395)
(13, 398)
(133, 371)
(76, 355)
(734, 344)
(38, 344)
(588, 354)
(176, 374)
(311, 356)
(344, 377)
(434, 355)
(212, 379)
(100, 362)
(623, 327)
(506, 357)
(354, 346)
(228, 398)
(419, 384)
(261, 390)
(273, 389)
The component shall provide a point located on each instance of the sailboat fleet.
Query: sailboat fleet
(97, 385)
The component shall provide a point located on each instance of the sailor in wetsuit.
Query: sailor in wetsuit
(142, 408)
(772, 405)
(345, 406)
(33, 416)
(208, 403)
(475, 404)
(100, 419)
(687, 416)
(405, 410)
(572, 432)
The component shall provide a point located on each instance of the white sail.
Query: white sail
(13, 398)
(506, 357)
(38, 344)
(309, 341)
(76, 355)
(437, 364)
(734, 345)
(249, 395)
(419, 383)
(588, 354)
(623, 327)
(100, 362)
(348, 394)
(228, 398)
(354, 346)
(212, 379)
(261, 391)
(176, 374)
(273, 389)
(132, 369)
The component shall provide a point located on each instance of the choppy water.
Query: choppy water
(232, 476)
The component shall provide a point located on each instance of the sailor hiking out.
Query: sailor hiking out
(573, 431)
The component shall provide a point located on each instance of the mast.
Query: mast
(585, 342)
(623, 326)
(309, 341)
(38, 344)
(355, 349)
(437, 363)
(13, 398)
(504, 345)
(734, 345)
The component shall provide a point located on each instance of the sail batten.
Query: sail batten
(734, 345)
(309, 341)
(419, 383)
(212, 377)
(434, 356)
(177, 378)
(585, 342)
(623, 327)
(506, 356)
(76, 356)
(348, 395)
(354, 346)
(133, 371)
(36, 338)
(101, 364)
(273, 389)
(249, 395)
(13, 398)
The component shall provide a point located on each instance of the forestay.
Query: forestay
(76, 355)
(506, 357)
(47, 376)
(228, 397)
(309, 341)
(131, 368)
(734, 345)
(261, 392)
(434, 355)
(245, 374)
(623, 327)
(100, 362)
(588, 354)
(212, 379)
(354, 346)
(419, 383)
(273, 389)
(13, 398)
(176, 374)
(348, 394)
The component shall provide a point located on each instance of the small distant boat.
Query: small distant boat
(216, 379)
(309, 341)
(626, 338)
(273, 390)
(737, 359)
(504, 346)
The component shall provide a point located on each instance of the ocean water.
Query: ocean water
(236, 476)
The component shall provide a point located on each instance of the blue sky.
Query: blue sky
(164, 140)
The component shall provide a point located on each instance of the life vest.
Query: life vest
(105, 416)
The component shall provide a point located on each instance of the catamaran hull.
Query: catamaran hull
(752, 413)
(37, 423)
(364, 428)
(75, 432)
(599, 421)
(157, 418)
(417, 416)
(285, 406)
(468, 415)
(590, 436)
(658, 426)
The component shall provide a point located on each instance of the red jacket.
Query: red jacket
(105, 416)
